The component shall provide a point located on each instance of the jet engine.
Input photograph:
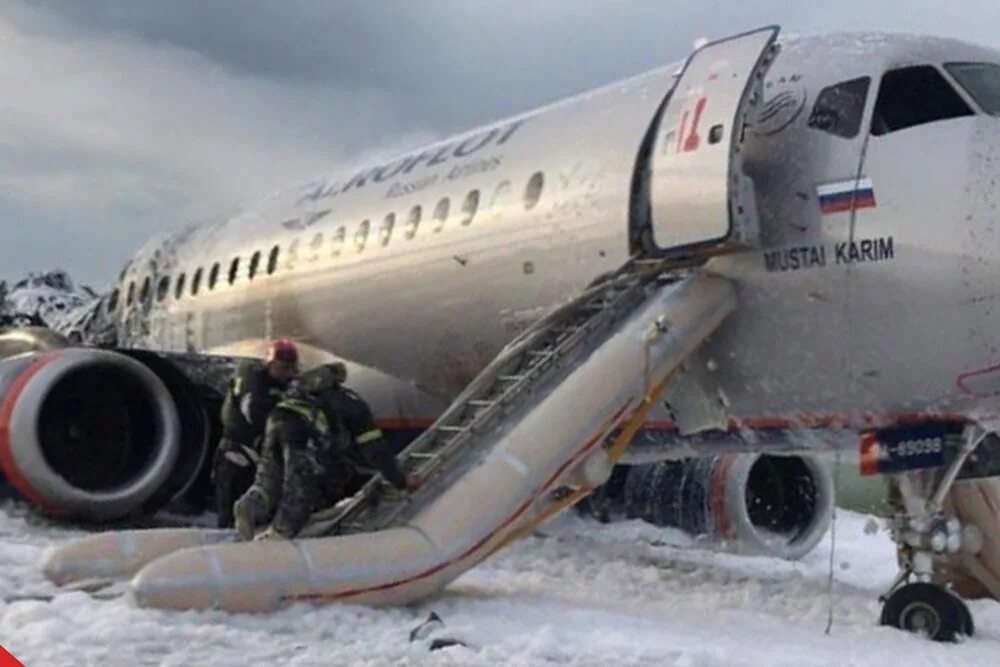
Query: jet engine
(743, 503)
(99, 435)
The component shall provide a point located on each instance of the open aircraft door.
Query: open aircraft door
(701, 202)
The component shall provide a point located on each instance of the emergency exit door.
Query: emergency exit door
(700, 198)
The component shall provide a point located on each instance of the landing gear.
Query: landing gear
(922, 531)
(929, 610)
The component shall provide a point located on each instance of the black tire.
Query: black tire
(595, 506)
(667, 507)
(605, 503)
(637, 490)
(929, 610)
(968, 625)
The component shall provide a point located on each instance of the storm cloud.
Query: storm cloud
(122, 118)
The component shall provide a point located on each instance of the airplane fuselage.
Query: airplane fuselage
(868, 295)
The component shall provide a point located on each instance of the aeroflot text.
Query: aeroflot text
(429, 157)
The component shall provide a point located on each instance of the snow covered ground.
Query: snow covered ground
(582, 594)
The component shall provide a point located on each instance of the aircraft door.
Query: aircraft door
(700, 199)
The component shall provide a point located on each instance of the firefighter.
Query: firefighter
(317, 437)
(253, 392)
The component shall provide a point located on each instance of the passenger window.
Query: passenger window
(413, 222)
(254, 265)
(131, 294)
(113, 301)
(914, 96)
(163, 289)
(361, 236)
(338, 241)
(441, 213)
(272, 260)
(840, 108)
(469, 207)
(234, 270)
(179, 287)
(196, 282)
(316, 247)
(385, 231)
(213, 276)
(533, 191)
(144, 294)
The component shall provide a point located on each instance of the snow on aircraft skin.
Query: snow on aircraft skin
(868, 299)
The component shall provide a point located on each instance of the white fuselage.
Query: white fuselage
(867, 314)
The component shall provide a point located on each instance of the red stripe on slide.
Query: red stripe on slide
(7, 461)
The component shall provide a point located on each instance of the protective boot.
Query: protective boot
(232, 474)
(249, 512)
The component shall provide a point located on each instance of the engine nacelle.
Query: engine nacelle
(29, 339)
(97, 435)
(743, 503)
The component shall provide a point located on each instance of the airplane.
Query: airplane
(814, 215)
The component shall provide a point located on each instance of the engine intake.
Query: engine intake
(87, 433)
(743, 503)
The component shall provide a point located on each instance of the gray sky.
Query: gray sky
(120, 118)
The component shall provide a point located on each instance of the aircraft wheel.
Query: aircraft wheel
(929, 610)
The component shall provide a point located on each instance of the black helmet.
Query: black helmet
(322, 378)
(338, 370)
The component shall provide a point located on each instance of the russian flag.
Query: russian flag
(841, 196)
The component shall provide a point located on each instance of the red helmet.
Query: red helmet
(282, 350)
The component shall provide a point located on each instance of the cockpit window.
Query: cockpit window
(981, 81)
(840, 108)
(914, 96)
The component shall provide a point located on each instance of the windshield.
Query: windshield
(982, 81)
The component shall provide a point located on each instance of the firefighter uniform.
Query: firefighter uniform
(370, 451)
(317, 437)
(252, 393)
